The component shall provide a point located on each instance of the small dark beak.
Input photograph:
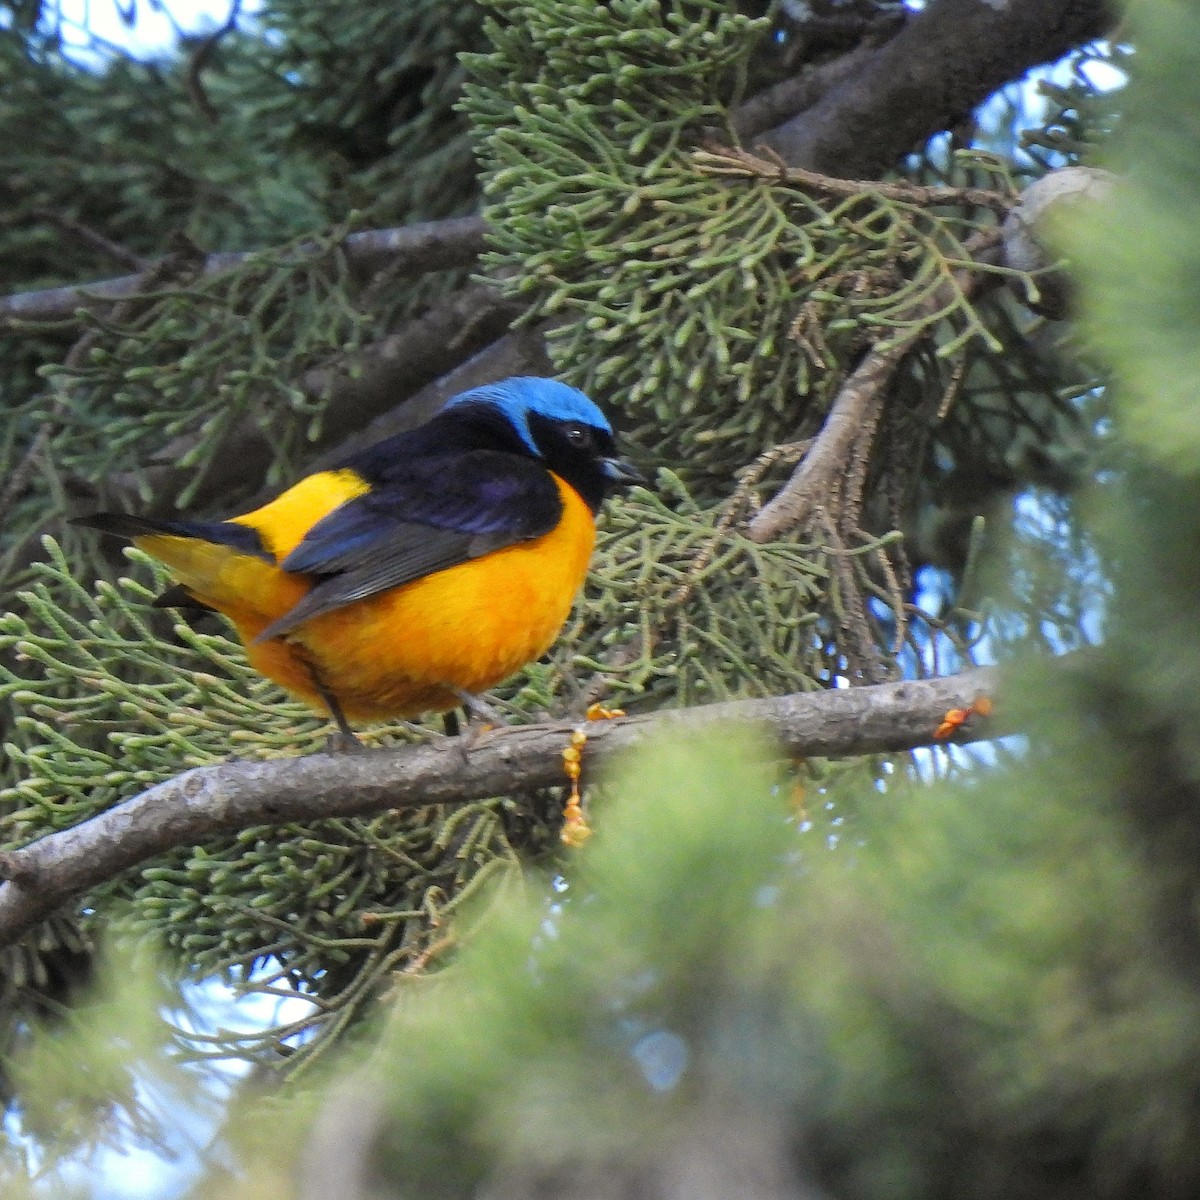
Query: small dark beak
(621, 473)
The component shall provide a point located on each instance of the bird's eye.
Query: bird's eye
(578, 436)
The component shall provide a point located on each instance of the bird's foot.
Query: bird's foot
(343, 741)
(479, 708)
(477, 733)
(485, 724)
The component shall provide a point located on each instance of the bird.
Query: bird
(413, 575)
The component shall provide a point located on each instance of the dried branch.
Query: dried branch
(845, 436)
(728, 160)
(200, 60)
(410, 249)
(93, 239)
(855, 413)
(210, 800)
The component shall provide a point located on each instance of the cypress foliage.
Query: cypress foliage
(718, 308)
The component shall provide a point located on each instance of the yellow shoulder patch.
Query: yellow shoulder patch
(283, 522)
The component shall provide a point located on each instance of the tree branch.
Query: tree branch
(854, 416)
(786, 99)
(91, 238)
(206, 801)
(855, 412)
(521, 352)
(410, 249)
(853, 115)
(931, 75)
(730, 160)
(378, 379)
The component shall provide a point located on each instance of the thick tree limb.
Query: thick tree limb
(778, 104)
(206, 801)
(412, 357)
(521, 352)
(410, 249)
(928, 77)
(377, 380)
(853, 418)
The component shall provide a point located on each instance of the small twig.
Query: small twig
(430, 246)
(957, 375)
(200, 60)
(742, 499)
(173, 265)
(729, 160)
(22, 473)
(93, 239)
(859, 404)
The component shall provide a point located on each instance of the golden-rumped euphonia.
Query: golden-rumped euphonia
(418, 572)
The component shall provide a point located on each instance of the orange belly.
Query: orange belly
(404, 651)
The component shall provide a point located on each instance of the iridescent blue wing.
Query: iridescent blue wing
(427, 515)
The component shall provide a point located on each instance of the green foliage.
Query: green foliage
(185, 371)
(341, 116)
(1080, 116)
(504, 1026)
(123, 151)
(109, 706)
(1142, 303)
(336, 108)
(596, 213)
(683, 608)
(98, 1069)
(372, 90)
(111, 698)
(700, 611)
(721, 318)
(720, 314)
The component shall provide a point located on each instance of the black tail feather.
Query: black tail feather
(224, 533)
(124, 525)
(177, 596)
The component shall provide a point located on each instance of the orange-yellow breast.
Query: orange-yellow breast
(403, 651)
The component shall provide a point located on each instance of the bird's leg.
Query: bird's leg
(345, 740)
(489, 723)
(478, 707)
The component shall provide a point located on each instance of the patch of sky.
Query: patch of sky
(91, 32)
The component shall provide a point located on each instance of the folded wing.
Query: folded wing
(433, 514)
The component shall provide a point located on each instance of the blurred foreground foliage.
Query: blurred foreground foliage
(950, 991)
